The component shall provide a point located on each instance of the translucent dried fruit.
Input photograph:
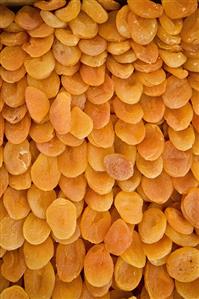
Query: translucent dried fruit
(59, 113)
(184, 184)
(94, 61)
(94, 225)
(35, 230)
(188, 289)
(134, 255)
(97, 202)
(118, 238)
(190, 206)
(179, 119)
(66, 37)
(128, 91)
(153, 225)
(49, 5)
(40, 67)
(83, 26)
(16, 204)
(142, 30)
(38, 256)
(150, 169)
(68, 163)
(190, 25)
(50, 86)
(69, 12)
(121, 21)
(14, 115)
(132, 183)
(41, 31)
(93, 76)
(102, 93)
(51, 19)
(183, 264)
(181, 239)
(108, 30)
(103, 137)
(40, 282)
(100, 292)
(98, 257)
(177, 221)
(43, 132)
(73, 188)
(129, 206)
(74, 84)
(94, 10)
(37, 103)
(81, 123)
(40, 200)
(14, 291)
(173, 59)
(94, 46)
(45, 173)
(11, 236)
(127, 277)
(7, 16)
(13, 266)
(132, 134)
(96, 156)
(37, 47)
(53, 148)
(12, 58)
(159, 249)
(157, 281)
(20, 182)
(70, 260)
(100, 114)
(65, 55)
(178, 8)
(12, 76)
(71, 289)
(158, 189)
(182, 140)
(17, 157)
(130, 113)
(61, 217)
(153, 144)
(122, 71)
(13, 94)
(99, 181)
(4, 180)
(178, 92)
(146, 8)
(28, 18)
(176, 163)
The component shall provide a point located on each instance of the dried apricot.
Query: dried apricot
(183, 264)
(61, 217)
(153, 225)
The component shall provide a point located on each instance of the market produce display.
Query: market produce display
(99, 150)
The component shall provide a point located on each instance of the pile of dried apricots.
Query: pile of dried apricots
(99, 150)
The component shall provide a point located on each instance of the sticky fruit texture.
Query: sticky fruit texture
(118, 238)
(183, 264)
(70, 260)
(126, 277)
(36, 282)
(98, 222)
(61, 217)
(157, 281)
(45, 173)
(98, 258)
(153, 225)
